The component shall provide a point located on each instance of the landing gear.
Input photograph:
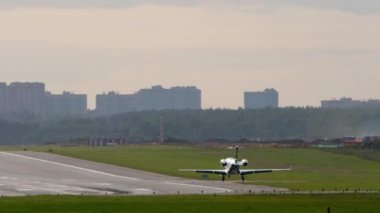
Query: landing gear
(242, 178)
(223, 177)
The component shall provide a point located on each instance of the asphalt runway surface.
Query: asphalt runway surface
(34, 173)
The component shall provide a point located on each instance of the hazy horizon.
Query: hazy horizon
(307, 50)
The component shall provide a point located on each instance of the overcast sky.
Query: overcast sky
(307, 50)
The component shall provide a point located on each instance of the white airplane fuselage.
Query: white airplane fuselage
(232, 165)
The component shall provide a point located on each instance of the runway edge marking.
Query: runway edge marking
(69, 166)
(199, 186)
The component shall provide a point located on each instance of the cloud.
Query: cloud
(365, 7)
(352, 6)
(90, 3)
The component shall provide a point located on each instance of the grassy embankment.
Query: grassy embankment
(313, 169)
(263, 203)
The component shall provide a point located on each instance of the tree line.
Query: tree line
(198, 125)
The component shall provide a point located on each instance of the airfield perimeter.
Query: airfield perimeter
(36, 173)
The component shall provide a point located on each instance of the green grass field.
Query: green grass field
(166, 204)
(313, 169)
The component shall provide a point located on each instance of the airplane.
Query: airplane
(233, 167)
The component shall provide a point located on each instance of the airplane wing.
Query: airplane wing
(206, 171)
(256, 171)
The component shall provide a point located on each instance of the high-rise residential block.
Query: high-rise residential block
(31, 98)
(155, 98)
(26, 98)
(3, 98)
(113, 103)
(262, 99)
(346, 103)
(159, 98)
(65, 104)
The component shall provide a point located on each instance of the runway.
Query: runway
(35, 173)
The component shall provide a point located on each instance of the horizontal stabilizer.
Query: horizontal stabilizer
(205, 171)
(257, 171)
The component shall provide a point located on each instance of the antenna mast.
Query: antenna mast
(161, 137)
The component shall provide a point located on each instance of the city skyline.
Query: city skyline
(125, 102)
(307, 50)
(33, 98)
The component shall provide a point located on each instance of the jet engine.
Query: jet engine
(223, 162)
(244, 162)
